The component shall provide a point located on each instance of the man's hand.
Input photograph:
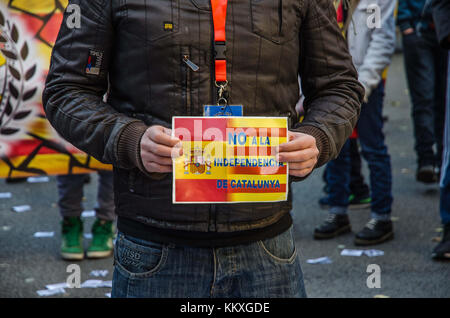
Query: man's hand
(158, 148)
(408, 31)
(300, 152)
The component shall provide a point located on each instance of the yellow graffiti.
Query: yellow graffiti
(35, 6)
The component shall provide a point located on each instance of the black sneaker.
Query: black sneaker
(426, 174)
(334, 225)
(375, 232)
(442, 250)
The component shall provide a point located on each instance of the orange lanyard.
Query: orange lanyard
(219, 12)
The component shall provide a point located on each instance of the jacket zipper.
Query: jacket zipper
(189, 66)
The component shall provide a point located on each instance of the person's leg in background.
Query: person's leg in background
(441, 63)
(103, 228)
(360, 192)
(442, 250)
(70, 192)
(419, 65)
(374, 151)
(338, 180)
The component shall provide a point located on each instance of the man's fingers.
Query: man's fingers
(155, 167)
(297, 143)
(162, 150)
(298, 156)
(162, 135)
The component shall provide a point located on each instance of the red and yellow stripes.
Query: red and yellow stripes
(241, 168)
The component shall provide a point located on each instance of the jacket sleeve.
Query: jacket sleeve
(404, 17)
(73, 96)
(441, 14)
(381, 47)
(329, 81)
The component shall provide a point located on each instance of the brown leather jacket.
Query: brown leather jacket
(132, 52)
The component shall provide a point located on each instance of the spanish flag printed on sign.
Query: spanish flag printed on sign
(229, 160)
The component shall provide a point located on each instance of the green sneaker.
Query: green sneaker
(102, 239)
(72, 239)
(359, 202)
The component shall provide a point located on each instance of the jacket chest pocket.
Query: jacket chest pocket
(153, 20)
(275, 20)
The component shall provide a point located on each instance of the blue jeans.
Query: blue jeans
(425, 61)
(445, 174)
(358, 186)
(70, 191)
(374, 151)
(268, 269)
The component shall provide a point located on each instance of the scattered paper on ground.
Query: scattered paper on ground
(6, 227)
(341, 247)
(96, 283)
(349, 252)
(29, 280)
(99, 273)
(5, 195)
(320, 260)
(107, 283)
(87, 236)
(373, 253)
(370, 253)
(21, 208)
(57, 286)
(44, 234)
(38, 179)
(50, 292)
(88, 214)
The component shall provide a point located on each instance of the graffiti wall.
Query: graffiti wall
(28, 144)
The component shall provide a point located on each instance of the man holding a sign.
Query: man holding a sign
(201, 128)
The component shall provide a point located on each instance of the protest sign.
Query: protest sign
(229, 160)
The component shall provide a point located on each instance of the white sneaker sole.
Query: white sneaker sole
(72, 256)
(99, 254)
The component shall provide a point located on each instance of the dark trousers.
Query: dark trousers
(358, 187)
(374, 151)
(70, 190)
(425, 64)
(445, 176)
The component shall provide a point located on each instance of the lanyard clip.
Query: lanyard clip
(220, 49)
(221, 90)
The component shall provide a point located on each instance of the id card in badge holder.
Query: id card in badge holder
(223, 110)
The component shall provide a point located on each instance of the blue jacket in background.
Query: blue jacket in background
(416, 14)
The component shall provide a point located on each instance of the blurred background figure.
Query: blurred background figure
(441, 14)
(70, 190)
(371, 49)
(360, 191)
(425, 62)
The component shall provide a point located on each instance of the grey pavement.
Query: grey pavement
(27, 264)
